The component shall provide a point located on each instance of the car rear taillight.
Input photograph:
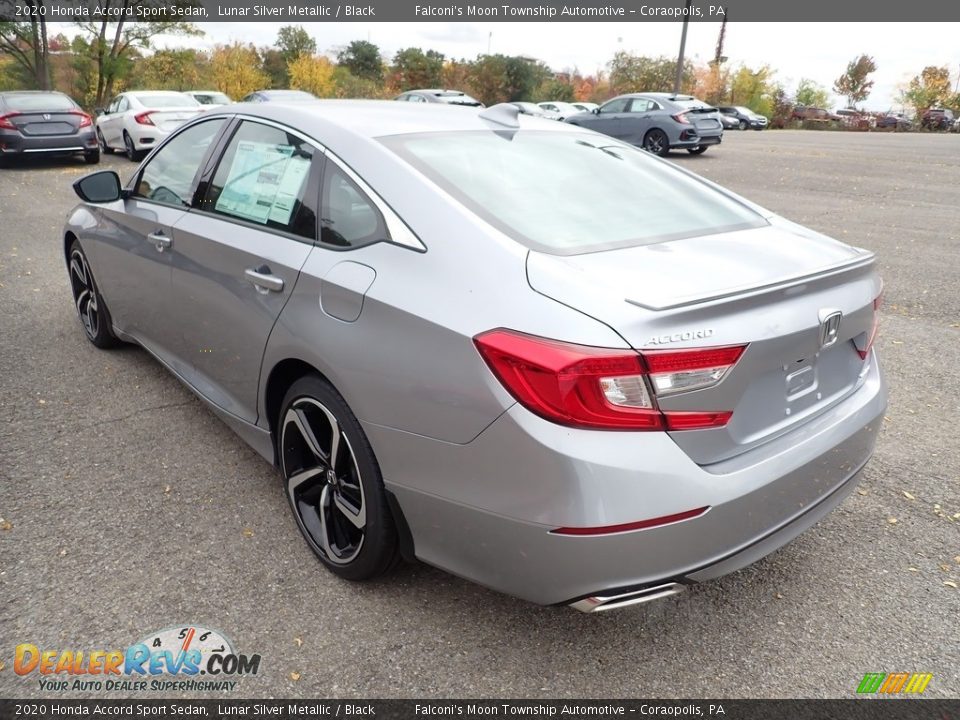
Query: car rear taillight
(144, 118)
(676, 371)
(85, 120)
(865, 350)
(5, 122)
(681, 118)
(604, 388)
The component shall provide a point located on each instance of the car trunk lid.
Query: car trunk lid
(170, 119)
(55, 122)
(769, 288)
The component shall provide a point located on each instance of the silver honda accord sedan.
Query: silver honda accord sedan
(520, 351)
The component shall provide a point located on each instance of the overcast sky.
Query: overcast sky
(819, 51)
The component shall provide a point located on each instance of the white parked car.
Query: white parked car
(586, 106)
(562, 110)
(134, 122)
(209, 98)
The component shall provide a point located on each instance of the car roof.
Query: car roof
(138, 93)
(667, 96)
(32, 92)
(370, 119)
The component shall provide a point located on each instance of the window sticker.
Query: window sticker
(264, 182)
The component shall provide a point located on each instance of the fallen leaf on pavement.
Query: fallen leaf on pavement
(908, 496)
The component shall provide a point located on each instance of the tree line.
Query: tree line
(108, 56)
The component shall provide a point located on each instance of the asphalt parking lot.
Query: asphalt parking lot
(127, 507)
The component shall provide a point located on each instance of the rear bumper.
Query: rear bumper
(713, 138)
(485, 510)
(13, 143)
(148, 137)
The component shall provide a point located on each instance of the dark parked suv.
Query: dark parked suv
(937, 119)
(745, 117)
(34, 121)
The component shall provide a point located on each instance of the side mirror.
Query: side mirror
(596, 111)
(100, 187)
(100, 111)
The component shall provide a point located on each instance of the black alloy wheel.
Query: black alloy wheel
(656, 142)
(333, 482)
(86, 298)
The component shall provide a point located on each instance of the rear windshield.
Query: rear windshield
(211, 99)
(39, 101)
(694, 104)
(165, 101)
(456, 98)
(570, 193)
(289, 95)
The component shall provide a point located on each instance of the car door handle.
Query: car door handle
(263, 279)
(160, 240)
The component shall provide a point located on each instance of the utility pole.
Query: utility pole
(683, 46)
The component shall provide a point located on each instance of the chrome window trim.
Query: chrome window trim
(400, 232)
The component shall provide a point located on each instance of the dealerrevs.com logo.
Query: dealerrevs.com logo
(176, 659)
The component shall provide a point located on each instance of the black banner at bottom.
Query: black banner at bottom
(293, 709)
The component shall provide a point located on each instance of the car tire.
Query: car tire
(104, 148)
(91, 158)
(340, 506)
(656, 142)
(91, 309)
(744, 125)
(698, 150)
(128, 145)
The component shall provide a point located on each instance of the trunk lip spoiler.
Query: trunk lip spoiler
(865, 260)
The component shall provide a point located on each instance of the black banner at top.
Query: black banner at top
(329, 11)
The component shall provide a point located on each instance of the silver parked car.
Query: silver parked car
(512, 348)
(439, 96)
(136, 122)
(657, 122)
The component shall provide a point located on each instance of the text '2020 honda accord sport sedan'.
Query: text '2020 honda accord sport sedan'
(515, 349)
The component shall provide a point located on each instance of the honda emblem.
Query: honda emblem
(829, 327)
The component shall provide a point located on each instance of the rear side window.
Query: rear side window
(350, 219)
(263, 178)
(39, 101)
(168, 177)
(568, 192)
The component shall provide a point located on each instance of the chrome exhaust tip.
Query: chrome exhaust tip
(602, 603)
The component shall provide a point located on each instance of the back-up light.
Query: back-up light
(865, 350)
(604, 388)
(144, 118)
